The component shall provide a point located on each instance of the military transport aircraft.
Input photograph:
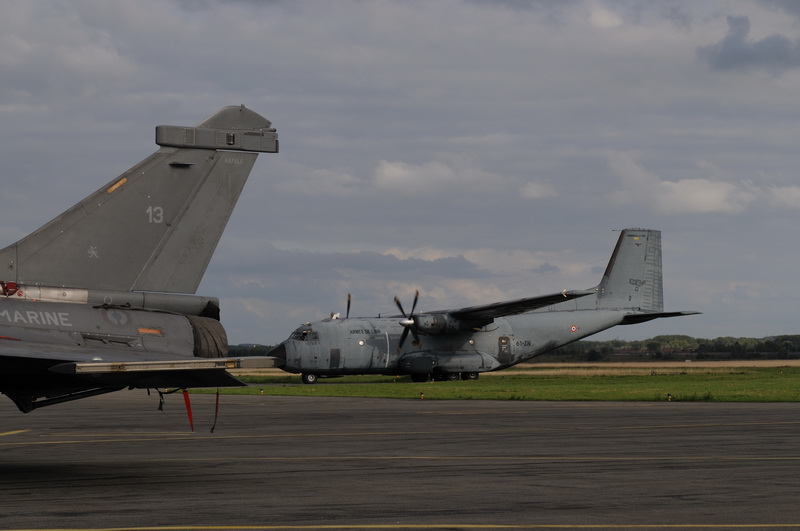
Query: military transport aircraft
(447, 344)
(100, 298)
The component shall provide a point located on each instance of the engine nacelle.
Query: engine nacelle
(438, 323)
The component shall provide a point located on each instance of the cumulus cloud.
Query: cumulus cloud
(775, 53)
(684, 196)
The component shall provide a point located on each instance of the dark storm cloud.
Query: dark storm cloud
(775, 53)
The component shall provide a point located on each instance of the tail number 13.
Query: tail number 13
(155, 214)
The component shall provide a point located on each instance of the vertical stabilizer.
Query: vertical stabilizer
(632, 279)
(155, 227)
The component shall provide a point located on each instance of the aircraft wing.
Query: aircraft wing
(47, 374)
(487, 312)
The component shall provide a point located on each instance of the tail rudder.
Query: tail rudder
(155, 227)
(633, 278)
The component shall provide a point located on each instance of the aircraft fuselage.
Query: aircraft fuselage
(370, 345)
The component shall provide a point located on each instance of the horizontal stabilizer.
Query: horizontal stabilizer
(636, 318)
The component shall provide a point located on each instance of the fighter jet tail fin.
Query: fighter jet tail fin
(155, 227)
(633, 278)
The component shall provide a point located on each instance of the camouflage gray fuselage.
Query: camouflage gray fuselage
(43, 340)
(370, 345)
(467, 341)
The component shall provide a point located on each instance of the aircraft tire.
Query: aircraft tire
(469, 375)
(309, 378)
(450, 376)
(420, 377)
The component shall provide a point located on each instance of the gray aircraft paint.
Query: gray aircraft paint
(468, 341)
(100, 298)
(155, 227)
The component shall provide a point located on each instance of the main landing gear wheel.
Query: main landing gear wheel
(309, 378)
(419, 378)
(469, 375)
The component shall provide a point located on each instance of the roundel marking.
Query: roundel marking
(116, 317)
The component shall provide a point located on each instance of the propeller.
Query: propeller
(407, 322)
(347, 315)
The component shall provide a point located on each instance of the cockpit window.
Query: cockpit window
(304, 334)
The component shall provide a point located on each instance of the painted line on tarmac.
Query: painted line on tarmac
(461, 459)
(83, 438)
(427, 526)
(13, 432)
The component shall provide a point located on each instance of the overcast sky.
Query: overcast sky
(474, 150)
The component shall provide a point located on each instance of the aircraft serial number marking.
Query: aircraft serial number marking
(523, 343)
(155, 214)
(364, 331)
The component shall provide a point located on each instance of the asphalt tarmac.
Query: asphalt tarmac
(302, 463)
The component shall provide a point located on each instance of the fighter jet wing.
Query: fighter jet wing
(487, 312)
(65, 373)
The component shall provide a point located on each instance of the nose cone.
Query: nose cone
(278, 352)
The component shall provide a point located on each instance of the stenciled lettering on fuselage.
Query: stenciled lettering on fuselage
(40, 318)
(364, 331)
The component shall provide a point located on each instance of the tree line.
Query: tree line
(667, 347)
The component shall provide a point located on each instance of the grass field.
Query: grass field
(766, 381)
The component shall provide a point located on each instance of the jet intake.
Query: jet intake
(210, 339)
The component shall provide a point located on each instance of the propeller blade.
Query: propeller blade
(403, 338)
(348, 307)
(408, 322)
(397, 302)
(414, 306)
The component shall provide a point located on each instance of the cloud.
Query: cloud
(459, 147)
(685, 196)
(775, 53)
(784, 196)
(537, 190)
(322, 182)
(604, 18)
(456, 178)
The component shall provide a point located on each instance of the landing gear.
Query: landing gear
(309, 378)
(442, 376)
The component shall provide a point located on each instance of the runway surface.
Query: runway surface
(117, 462)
